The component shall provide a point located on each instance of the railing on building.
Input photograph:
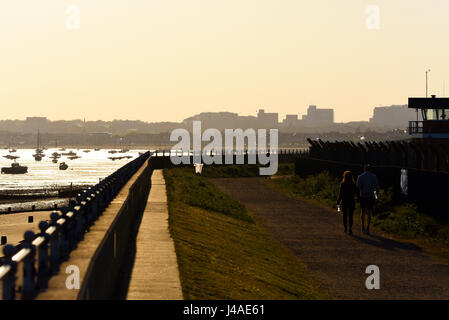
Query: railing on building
(415, 127)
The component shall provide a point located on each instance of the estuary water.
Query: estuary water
(86, 170)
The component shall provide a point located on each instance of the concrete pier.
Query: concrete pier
(155, 275)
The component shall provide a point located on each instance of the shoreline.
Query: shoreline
(43, 199)
(17, 195)
(47, 204)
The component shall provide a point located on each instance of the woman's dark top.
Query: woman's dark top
(347, 194)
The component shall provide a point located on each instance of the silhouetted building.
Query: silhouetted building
(291, 120)
(396, 116)
(267, 119)
(435, 118)
(317, 116)
(32, 124)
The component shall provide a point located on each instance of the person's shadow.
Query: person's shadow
(385, 243)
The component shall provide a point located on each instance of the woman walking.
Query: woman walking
(346, 196)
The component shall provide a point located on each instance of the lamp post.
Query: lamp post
(427, 71)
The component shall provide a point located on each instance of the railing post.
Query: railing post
(94, 206)
(88, 211)
(68, 230)
(9, 280)
(43, 262)
(79, 223)
(29, 272)
(55, 248)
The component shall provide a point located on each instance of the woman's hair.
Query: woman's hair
(348, 177)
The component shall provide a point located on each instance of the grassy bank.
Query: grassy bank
(222, 252)
(404, 220)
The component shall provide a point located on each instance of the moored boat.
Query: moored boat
(15, 169)
(39, 152)
(10, 157)
(70, 153)
(63, 166)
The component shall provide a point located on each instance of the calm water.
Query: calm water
(86, 170)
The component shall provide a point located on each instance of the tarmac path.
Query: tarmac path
(338, 261)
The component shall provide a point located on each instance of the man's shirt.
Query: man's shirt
(366, 185)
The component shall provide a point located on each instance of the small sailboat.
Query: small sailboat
(70, 153)
(10, 157)
(11, 150)
(63, 166)
(39, 152)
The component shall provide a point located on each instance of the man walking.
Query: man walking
(368, 188)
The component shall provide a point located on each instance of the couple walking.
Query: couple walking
(365, 190)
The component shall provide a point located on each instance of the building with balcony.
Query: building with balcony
(434, 113)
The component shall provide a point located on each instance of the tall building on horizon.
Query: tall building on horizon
(396, 116)
(316, 116)
(267, 119)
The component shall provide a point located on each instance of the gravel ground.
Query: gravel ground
(337, 261)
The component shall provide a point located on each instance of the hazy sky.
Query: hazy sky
(157, 60)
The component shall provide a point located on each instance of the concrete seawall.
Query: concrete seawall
(103, 253)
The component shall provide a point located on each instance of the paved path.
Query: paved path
(336, 260)
(155, 275)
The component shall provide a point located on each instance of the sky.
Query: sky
(165, 60)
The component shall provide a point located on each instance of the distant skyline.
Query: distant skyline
(165, 60)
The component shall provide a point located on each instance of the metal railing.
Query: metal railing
(280, 151)
(58, 237)
(415, 127)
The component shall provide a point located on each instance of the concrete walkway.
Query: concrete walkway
(155, 275)
(336, 260)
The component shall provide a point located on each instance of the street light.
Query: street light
(427, 71)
